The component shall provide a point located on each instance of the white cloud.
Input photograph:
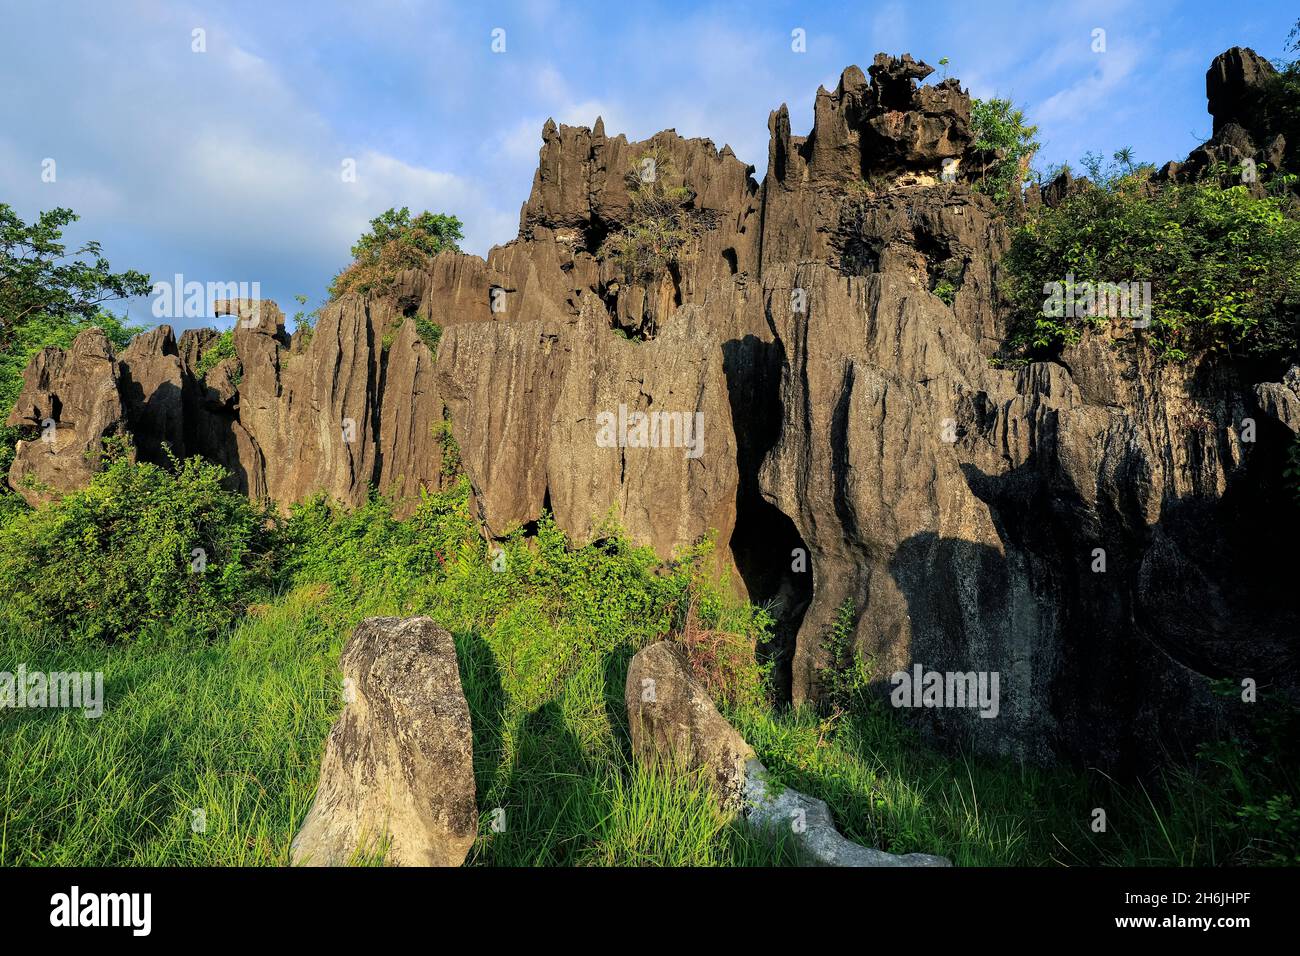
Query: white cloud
(1092, 93)
(221, 167)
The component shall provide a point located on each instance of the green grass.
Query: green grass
(235, 726)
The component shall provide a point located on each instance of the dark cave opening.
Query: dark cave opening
(777, 570)
(770, 555)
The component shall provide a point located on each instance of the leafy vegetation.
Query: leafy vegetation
(1002, 134)
(430, 332)
(1111, 175)
(229, 714)
(450, 450)
(946, 290)
(1222, 266)
(304, 322)
(396, 242)
(1280, 104)
(216, 353)
(659, 228)
(143, 552)
(39, 277)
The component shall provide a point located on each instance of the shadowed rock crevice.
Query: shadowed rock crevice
(773, 563)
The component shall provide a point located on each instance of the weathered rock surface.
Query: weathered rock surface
(71, 400)
(971, 543)
(832, 331)
(803, 826)
(398, 772)
(1281, 400)
(674, 723)
(1247, 125)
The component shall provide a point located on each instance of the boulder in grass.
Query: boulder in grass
(397, 780)
(673, 722)
(804, 825)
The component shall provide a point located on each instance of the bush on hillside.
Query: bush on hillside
(1222, 266)
(142, 551)
(395, 242)
(1000, 129)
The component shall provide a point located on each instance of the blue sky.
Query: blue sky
(226, 165)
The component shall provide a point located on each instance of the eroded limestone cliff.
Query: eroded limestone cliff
(845, 412)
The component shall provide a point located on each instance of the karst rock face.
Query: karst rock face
(1099, 531)
(1248, 128)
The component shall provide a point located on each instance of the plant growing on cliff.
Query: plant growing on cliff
(1002, 134)
(222, 348)
(451, 464)
(396, 242)
(845, 676)
(658, 228)
(1118, 171)
(430, 333)
(1280, 102)
(1221, 263)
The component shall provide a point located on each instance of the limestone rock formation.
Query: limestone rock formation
(1233, 86)
(1247, 128)
(812, 377)
(71, 401)
(1281, 400)
(674, 723)
(397, 779)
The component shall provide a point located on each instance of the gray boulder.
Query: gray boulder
(674, 723)
(1281, 400)
(805, 825)
(398, 774)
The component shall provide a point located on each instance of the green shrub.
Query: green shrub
(1000, 129)
(142, 551)
(216, 353)
(1222, 266)
(659, 228)
(844, 679)
(395, 242)
(451, 464)
(430, 332)
(39, 277)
